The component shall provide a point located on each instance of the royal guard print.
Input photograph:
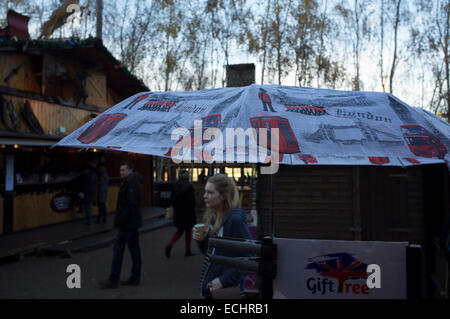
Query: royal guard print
(266, 100)
(102, 126)
(421, 142)
(138, 99)
(307, 110)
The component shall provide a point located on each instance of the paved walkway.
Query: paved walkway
(162, 278)
(14, 246)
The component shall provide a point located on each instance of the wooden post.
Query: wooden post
(357, 230)
(152, 201)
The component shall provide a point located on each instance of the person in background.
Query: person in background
(88, 194)
(128, 220)
(183, 202)
(103, 181)
(223, 218)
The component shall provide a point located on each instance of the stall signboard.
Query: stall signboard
(61, 202)
(245, 124)
(335, 269)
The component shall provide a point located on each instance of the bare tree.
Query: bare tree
(227, 22)
(429, 42)
(356, 18)
(381, 61)
(259, 35)
(132, 31)
(395, 57)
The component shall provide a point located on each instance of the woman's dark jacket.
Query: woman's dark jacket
(183, 203)
(235, 226)
(128, 212)
(89, 185)
(103, 181)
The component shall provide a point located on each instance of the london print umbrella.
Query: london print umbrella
(305, 126)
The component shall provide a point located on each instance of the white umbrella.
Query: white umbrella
(315, 126)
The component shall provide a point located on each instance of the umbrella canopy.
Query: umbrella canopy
(314, 126)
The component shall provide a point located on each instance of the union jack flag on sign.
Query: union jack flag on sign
(341, 266)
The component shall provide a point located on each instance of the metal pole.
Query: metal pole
(273, 214)
(270, 269)
(241, 245)
(241, 263)
(414, 271)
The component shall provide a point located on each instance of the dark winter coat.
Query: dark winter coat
(89, 185)
(128, 212)
(235, 226)
(103, 181)
(183, 203)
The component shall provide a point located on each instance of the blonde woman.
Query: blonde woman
(223, 218)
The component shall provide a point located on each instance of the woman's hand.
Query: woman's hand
(214, 284)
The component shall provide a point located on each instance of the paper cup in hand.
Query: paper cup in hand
(200, 228)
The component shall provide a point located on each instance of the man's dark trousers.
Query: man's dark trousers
(124, 237)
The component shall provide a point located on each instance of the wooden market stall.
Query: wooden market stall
(368, 203)
(48, 89)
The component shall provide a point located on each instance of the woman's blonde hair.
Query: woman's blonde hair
(225, 186)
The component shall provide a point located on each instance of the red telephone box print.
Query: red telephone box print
(101, 127)
(288, 142)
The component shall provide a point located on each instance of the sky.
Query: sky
(408, 87)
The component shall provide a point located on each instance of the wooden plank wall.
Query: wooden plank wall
(51, 116)
(33, 210)
(99, 94)
(416, 210)
(96, 89)
(393, 204)
(25, 79)
(1, 214)
(112, 98)
(310, 202)
(111, 202)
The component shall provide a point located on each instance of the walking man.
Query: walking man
(128, 219)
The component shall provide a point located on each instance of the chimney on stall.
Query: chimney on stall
(99, 12)
(240, 74)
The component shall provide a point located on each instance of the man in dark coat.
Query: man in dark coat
(128, 220)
